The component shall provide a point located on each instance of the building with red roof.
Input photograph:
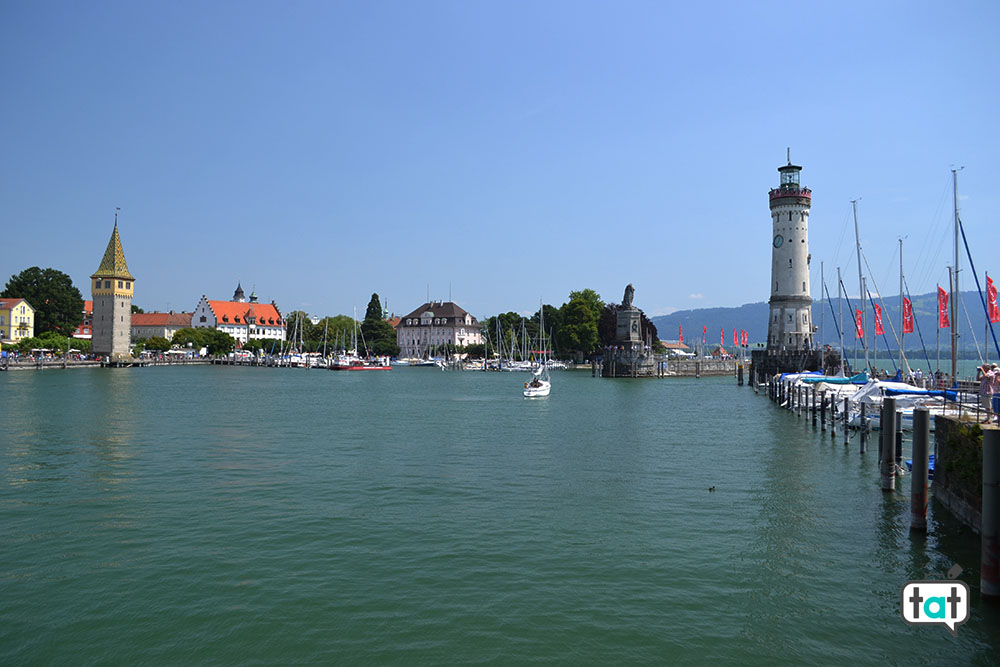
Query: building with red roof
(85, 330)
(240, 318)
(164, 325)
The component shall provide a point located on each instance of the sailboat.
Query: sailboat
(540, 384)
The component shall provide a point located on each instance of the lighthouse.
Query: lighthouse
(790, 326)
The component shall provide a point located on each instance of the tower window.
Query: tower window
(120, 284)
(789, 216)
(789, 318)
(789, 262)
(803, 286)
(107, 284)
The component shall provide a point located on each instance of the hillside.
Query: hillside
(753, 318)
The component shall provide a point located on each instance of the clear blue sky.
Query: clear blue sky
(505, 151)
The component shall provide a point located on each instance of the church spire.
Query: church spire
(113, 264)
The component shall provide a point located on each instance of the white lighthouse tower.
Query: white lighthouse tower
(790, 326)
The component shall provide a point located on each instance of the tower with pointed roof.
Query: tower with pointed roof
(112, 287)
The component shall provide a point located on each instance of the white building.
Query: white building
(239, 318)
(434, 324)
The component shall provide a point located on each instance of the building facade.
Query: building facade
(112, 288)
(164, 325)
(434, 324)
(790, 325)
(17, 320)
(85, 330)
(240, 318)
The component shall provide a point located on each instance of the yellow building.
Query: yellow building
(17, 320)
(112, 287)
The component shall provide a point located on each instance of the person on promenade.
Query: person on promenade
(996, 388)
(986, 375)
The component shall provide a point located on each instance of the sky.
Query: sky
(494, 153)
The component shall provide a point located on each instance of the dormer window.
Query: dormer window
(225, 318)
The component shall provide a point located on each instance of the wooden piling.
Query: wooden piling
(814, 404)
(847, 417)
(989, 579)
(918, 484)
(822, 411)
(864, 427)
(887, 465)
(898, 436)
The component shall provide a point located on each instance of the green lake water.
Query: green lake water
(217, 515)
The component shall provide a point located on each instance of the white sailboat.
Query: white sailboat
(540, 384)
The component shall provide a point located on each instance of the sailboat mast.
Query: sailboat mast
(857, 241)
(840, 307)
(954, 284)
(902, 322)
(822, 311)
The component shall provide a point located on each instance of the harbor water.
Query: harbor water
(231, 515)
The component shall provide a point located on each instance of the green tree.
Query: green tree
(297, 324)
(158, 343)
(376, 332)
(195, 336)
(591, 299)
(219, 342)
(137, 309)
(254, 345)
(338, 328)
(57, 303)
(579, 328)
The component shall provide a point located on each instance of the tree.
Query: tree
(579, 330)
(57, 303)
(137, 309)
(298, 324)
(337, 328)
(158, 343)
(377, 333)
(591, 299)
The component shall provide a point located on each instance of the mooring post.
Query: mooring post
(739, 375)
(864, 427)
(888, 445)
(918, 484)
(899, 440)
(822, 411)
(847, 415)
(989, 579)
(814, 405)
(798, 395)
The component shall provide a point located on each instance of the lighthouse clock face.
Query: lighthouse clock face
(778, 240)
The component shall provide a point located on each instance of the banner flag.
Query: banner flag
(859, 328)
(722, 337)
(682, 335)
(746, 338)
(736, 339)
(943, 322)
(907, 316)
(991, 300)
(879, 331)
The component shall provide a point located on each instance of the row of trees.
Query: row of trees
(582, 325)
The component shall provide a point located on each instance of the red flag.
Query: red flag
(943, 309)
(907, 316)
(859, 328)
(991, 300)
(746, 338)
(736, 340)
(722, 337)
(879, 331)
(704, 332)
(682, 335)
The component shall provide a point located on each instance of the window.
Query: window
(803, 286)
(107, 284)
(805, 320)
(789, 318)
(128, 284)
(202, 319)
(97, 284)
(120, 284)
(789, 262)
(789, 216)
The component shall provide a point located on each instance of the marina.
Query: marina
(235, 514)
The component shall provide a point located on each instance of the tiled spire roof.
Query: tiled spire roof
(113, 265)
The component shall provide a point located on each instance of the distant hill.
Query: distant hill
(753, 318)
